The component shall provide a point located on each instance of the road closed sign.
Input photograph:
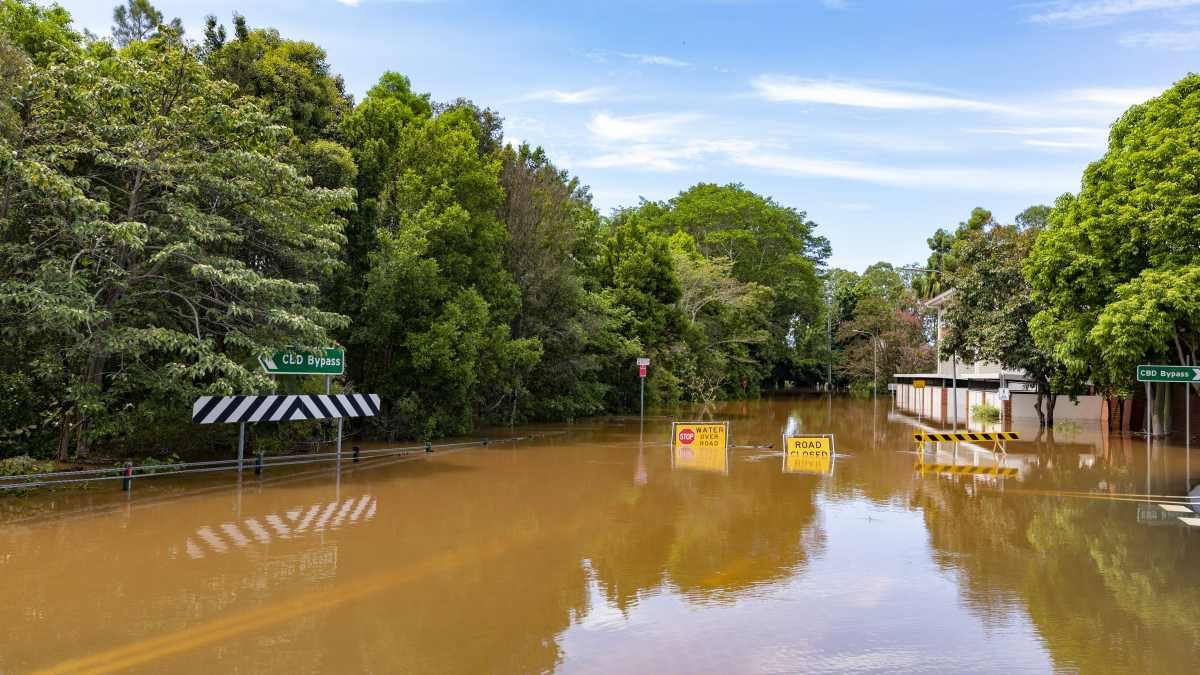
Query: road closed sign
(702, 446)
(808, 453)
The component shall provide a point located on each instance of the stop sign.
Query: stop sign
(686, 436)
(641, 371)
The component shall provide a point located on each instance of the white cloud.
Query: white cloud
(569, 97)
(1085, 11)
(1017, 180)
(637, 127)
(1168, 40)
(784, 89)
(1116, 97)
(1059, 138)
(669, 156)
(349, 3)
(655, 60)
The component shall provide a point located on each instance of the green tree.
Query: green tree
(988, 318)
(155, 242)
(138, 20)
(432, 318)
(1114, 268)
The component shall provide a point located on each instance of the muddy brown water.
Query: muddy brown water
(587, 552)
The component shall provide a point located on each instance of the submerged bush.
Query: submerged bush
(984, 412)
(23, 465)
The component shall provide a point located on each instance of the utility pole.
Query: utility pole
(829, 336)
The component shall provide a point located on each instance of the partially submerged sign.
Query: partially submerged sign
(290, 362)
(703, 446)
(808, 453)
(1168, 374)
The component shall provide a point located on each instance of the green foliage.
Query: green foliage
(983, 412)
(23, 465)
(1115, 270)
(877, 328)
(155, 245)
(43, 33)
(291, 78)
(138, 20)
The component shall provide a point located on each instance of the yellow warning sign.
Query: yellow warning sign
(918, 384)
(703, 446)
(812, 453)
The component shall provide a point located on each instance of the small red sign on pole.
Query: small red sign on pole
(641, 371)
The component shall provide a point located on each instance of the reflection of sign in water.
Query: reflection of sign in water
(701, 446)
(969, 469)
(293, 524)
(808, 453)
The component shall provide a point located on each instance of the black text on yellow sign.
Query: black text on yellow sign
(703, 446)
(808, 453)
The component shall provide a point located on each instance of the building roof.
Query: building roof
(940, 299)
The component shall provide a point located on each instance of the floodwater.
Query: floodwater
(587, 552)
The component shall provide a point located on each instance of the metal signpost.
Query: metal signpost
(643, 363)
(1170, 373)
(331, 361)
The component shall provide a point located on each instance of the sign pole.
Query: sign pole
(241, 445)
(1187, 442)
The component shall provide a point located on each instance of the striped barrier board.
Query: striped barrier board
(992, 436)
(282, 408)
(968, 469)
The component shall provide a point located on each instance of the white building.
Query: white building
(947, 396)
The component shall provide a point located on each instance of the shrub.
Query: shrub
(23, 465)
(985, 413)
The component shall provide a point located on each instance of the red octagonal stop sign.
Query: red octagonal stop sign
(686, 436)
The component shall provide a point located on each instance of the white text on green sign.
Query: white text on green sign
(328, 362)
(1168, 374)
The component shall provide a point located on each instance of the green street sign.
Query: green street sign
(1168, 374)
(289, 362)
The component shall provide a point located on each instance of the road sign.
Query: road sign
(703, 446)
(933, 436)
(282, 408)
(891, 386)
(641, 371)
(808, 453)
(1168, 374)
(290, 362)
(1004, 394)
(918, 384)
(643, 361)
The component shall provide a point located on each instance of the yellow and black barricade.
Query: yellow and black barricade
(966, 469)
(993, 437)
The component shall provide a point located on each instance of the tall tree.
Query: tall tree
(988, 318)
(155, 241)
(1115, 269)
(138, 20)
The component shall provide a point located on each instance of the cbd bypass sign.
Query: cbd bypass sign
(1168, 374)
(291, 362)
(808, 453)
(701, 446)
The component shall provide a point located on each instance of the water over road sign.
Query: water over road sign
(290, 362)
(703, 446)
(1168, 374)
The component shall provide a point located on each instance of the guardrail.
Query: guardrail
(129, 473)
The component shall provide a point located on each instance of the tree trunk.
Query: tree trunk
(64, 436)
(1126, 414)
(1052, 400)
(1038, 407)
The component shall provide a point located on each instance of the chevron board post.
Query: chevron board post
(281, 408)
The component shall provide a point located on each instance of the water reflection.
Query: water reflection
(588, 552)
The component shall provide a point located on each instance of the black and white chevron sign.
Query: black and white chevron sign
(282, 408)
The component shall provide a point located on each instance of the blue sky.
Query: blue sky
(883, 120)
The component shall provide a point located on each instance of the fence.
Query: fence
(129, 473)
